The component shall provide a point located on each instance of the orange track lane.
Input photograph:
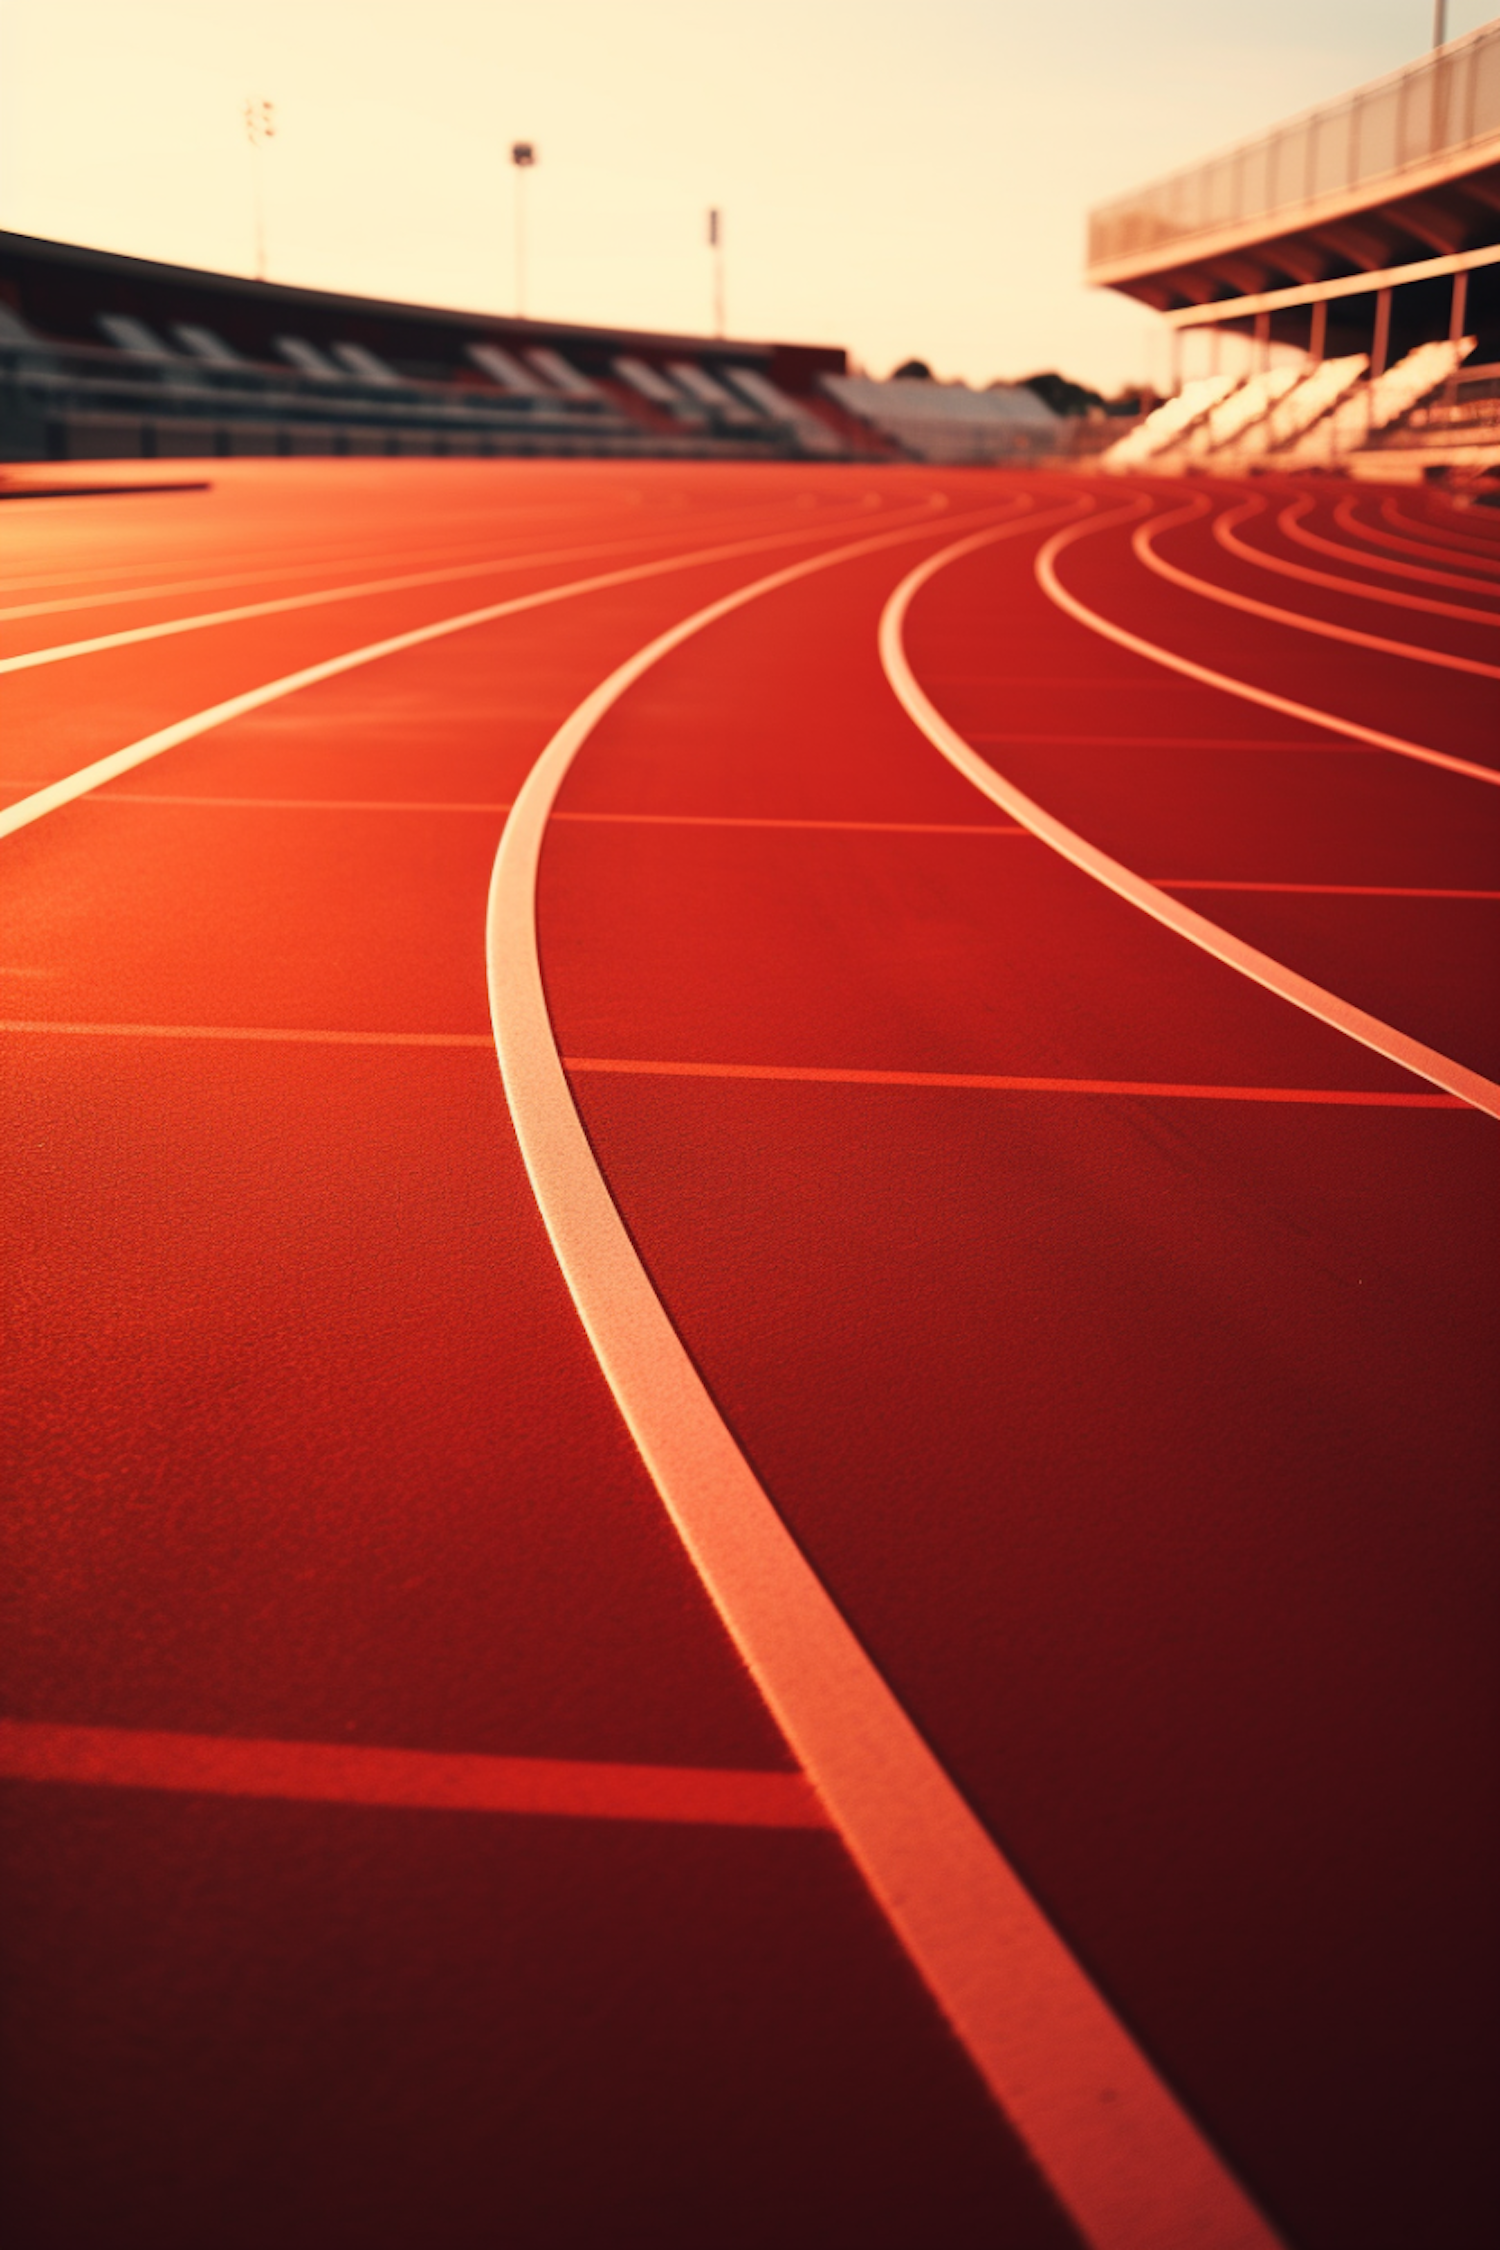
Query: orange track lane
(398, 1849)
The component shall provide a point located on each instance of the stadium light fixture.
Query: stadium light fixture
(716, 245)
(523, 156)
(260, 128)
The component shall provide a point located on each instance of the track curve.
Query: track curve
(1104, 1343)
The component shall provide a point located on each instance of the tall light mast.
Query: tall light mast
(523, 156)
(716, 245)
(260, 128)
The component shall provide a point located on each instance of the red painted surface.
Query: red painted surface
(1146, 1442)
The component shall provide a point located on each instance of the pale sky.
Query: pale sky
(899, 176)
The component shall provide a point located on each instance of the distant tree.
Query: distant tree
(913, 371)
(1062, 394)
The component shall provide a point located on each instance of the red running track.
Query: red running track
(398, 1847)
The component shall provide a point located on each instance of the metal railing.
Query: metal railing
(1405, 122)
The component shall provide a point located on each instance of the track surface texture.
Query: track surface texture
(426, 1822)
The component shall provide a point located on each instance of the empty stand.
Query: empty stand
(948, 422)
(212, 364)
(308, 360)
(709, 392)
(1239, 412)
(563, 375)
(1167, 423)
(367, 365)
(504, 368)
(128, 334)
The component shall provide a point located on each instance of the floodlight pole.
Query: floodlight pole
(1440, 23)
(522, 156)
(260, 127)
(716, 244)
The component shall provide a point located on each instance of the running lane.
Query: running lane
(399, 1847)
(1114, 1338)
(396, 1847)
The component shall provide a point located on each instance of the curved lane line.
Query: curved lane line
(1369, 1031)
(1291, 523)
(449, 552)
(1152, 650)
(1346, 517)
(86, 778)
(1119, 2153)
(968, 1081)
(348, 1773)
(1226, 527)
(1460, 547)
(129, 636)
(1205, 588)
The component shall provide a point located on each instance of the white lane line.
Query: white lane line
(270, 1034)
(1052, 586)
(89, 777)
(1119, 2153)
(156, 590)
(1292, 524)
(613, 1066)
(317, 565)
(1383, 1038)
(627, 819)
(1316, 890)
(1452, 546)
(1226, 533)
(352, 1773)
(129, 636)
(1206, 590)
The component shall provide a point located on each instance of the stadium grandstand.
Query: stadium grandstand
(1355, 252)
(110, 357)
(950, 422)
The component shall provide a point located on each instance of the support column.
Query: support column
(1460, 307)
(1262, 342)
(1317, 341)
(1380, 348)
(1458, 314)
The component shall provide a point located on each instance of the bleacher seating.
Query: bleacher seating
(722, 404)
(203, 344)
(651, 384)
(1228, 423)
(128, 334)
(1165, 424)
(1314, 397)
(307, 359)
(564, 376)
(948, 422)
(1374, 406)
(367, 366)
(503, 368)
(103, 356)
(812, 432)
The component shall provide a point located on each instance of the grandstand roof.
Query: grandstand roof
(1403, 173)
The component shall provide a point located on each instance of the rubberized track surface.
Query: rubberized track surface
(401, 1844)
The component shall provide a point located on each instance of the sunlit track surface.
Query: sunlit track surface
(398, 1850)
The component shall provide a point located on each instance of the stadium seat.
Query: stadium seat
(308, 360)
(1225, 424)
(128, 334)
(1168, 422)
(812, 433)
(504, 368)
(367, 366)
(721, 403)
(203, 344)
(562, 374)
